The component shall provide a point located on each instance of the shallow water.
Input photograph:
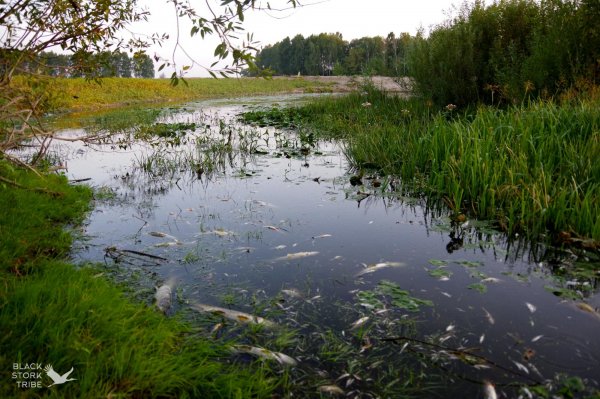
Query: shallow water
(228, 232)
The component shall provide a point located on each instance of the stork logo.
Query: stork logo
(30, 375)
(57, 378)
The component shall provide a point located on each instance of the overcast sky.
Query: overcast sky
(352, 18)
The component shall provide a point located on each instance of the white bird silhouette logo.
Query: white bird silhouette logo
(57, 378)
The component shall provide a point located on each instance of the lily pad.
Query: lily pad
(440, 273)
(438, 262)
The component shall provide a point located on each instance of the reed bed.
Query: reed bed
(532, 167)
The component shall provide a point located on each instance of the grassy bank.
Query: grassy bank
(531, 167)
(81, 95)
(51, 313)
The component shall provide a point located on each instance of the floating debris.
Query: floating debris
(379, 266)
(298, 255)
(359, 322)
(263, 353)
(240, 317)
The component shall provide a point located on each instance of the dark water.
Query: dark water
(230, 229)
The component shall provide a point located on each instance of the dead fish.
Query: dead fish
(298, 255)
(322, 236)
(359, 322)
(263, 353)
(164, 295)
(489, 392)
(160, 234)
(240, 317)
(292, 292)
(379, 266)
(223, 233)
(521, 367)
(331, 389)
(531, 307)
(536, 338)
(163, 298)
(491, 280)
(168, 244)
(489, 316)
(280, 247)
(587, 308)
(275, 228)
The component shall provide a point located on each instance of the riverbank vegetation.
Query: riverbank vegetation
(530, 167)
(78, 94)
(53, 314)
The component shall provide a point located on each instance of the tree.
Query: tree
(86, 28)
(143, 66)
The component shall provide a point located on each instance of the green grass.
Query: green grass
(531, 167)
(81, 95)
(51, 313)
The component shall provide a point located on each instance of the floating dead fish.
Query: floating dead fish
(234, 315)
(491, 280)
(322, 236)
(263, 353)
(446, 294)
(359, 322)
(536, 338)
(331, 389)
(482, 338)
(297, 255)
(223, 233)
(163, 298)
(489, 392)
(489, 316)
(275, 228)
(379, 266)
(160, 234)
(587, 308)
(450, 327)
(292, 292)
(168, 244)
(531, 307)
(521, 367)
(280, 247)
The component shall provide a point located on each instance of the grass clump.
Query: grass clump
(530, 167)
(51, 313)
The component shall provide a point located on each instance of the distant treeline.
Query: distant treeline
(107, 64)
(329, 54)
(503, 52)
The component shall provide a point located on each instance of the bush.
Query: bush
(508, 51)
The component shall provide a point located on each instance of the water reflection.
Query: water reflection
(267, 222)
